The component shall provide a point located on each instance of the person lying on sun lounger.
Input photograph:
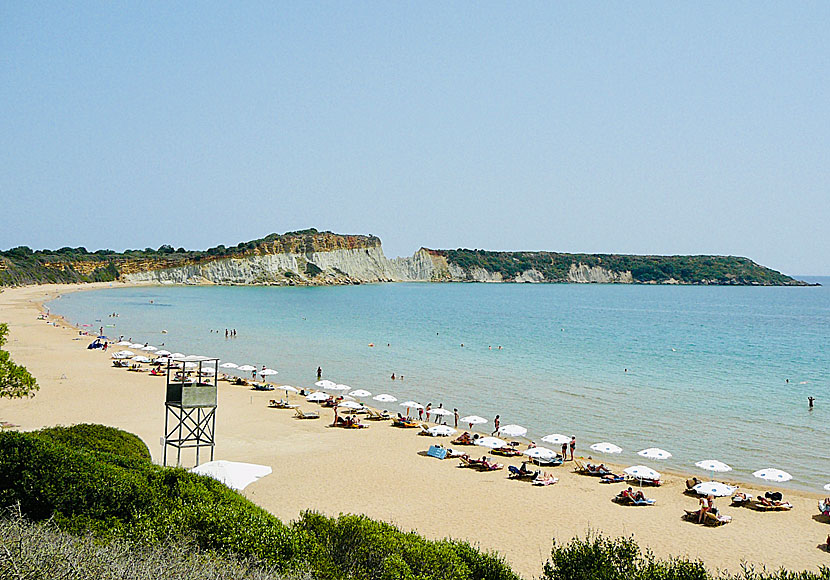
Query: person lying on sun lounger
(464, 439)
(544, 479)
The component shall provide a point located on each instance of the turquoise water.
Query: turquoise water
(706, 366)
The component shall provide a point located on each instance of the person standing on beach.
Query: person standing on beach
(455, 414)
(496, 423)
(573, 446)
(319, 373)
(564, 452)
(428, 409)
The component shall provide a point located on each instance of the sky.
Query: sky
(643, 128)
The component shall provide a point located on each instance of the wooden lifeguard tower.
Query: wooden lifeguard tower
(190, 405)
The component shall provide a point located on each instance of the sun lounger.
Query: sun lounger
(468, 462)
(506, 452)
(424, 430)
(741, 499)
(578, 467)
(612, 478)
(555, 462)
(652, 482)
(626, 499)
(404, 424)
(262, 387)
(764, 505)
(463, 439)
(375, 415)
(487, 466)
(299, 414)
(516, 473)
(282, 405)
(437, 451)
(709, 519)
(544, 479)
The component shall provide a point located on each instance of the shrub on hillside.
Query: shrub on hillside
(98, 438)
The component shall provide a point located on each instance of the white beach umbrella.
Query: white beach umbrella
(234, 474)
(198, 357)
(124, 343)
(268, 372)
(229, 365)
(713, 465)
(324, 383)
(642, 472)
(289, 389)
(540, 453)
(161, 359)
(412, 405)
(339, 387)
(247, 368)
(149, 348)
(140, 358)
(441, 431)
(176, 355)
(384, 398)
(772, 474)
(163, 352)
(606, 447)
(360, 393)
(512, 431)
(556, 438)
(715, 488)
(123, 354)
(827, 486)
(350, 405)
(207, 371)
(190, 365)
(315, 397)
(473, 420)
(440, 412)
(654, 453)
(137, 345)
(491, 442)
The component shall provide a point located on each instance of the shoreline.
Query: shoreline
(338, 470)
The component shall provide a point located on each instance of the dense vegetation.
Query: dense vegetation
(77, 506)
(15, 381)
(686, 269)
(116, 496)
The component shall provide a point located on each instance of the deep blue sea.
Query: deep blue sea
(699, 371)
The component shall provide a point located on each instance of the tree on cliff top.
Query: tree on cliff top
(15, 381)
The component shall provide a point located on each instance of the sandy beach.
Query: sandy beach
(381, 472)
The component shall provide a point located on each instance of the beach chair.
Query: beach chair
(506, 452)
(625, 499)
(487, 466)
(405, 424)
(424, 430)
(713, 519)
(282, 405)
(463, 439)
(516, 473)
(741, 499)
(555, 462)
(544, 479)
(578, 467)
(299, 414)
(375, 415)
(762, 504)
(437, 451)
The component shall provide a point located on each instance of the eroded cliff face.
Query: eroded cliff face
(325, 267)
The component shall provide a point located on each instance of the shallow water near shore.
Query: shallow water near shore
(699, 371)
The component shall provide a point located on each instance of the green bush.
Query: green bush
(98, 438)
(75, 476)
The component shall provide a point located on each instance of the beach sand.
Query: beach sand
(381, 472)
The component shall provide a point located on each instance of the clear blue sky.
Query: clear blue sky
(657, 128)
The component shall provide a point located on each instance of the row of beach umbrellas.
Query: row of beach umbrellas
(640, 472)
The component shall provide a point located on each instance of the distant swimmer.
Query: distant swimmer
(462, 345)
(787, 381)
(371, 344)
(393, 376)
(625, 370)
(319, 373)
(810, 402)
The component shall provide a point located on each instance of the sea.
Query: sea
(704, 372)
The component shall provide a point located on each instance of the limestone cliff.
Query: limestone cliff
(310, 257)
